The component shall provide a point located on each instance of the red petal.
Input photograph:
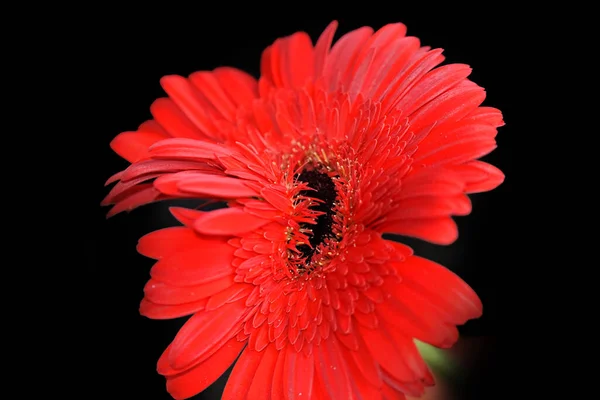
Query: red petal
(411, 356)
(207, 84)
(277, 387)
(162, 293)
(185, 215)
(159, 167)
(114, 178)
(170, 117)
(332, 369)
(133, 146)
(215, 186)
(451, 106)
(192, 103)
(242, 375)
(195, 380)
(432, 85)
(209, 260)
(165, 242)
(391, 394)
(152, 126)
(432, 182)
(366, 364)
(204, 333)
(386, 353)
(298, 374)
(143, 194)
(435, 230)
(228, 221)
(479, 176)
(412, 389)
(276, 198)
(440, 286)
(163, 311)
(289, 61)
(239, 86)
(187, 149)
(486, 115)
(417, 320)
(262, 383)
(415, 64)
(457, 152)
(338, 71)
(125, 189)
(430, 207)
(363, 388)
(322, 47)
(233, 293)
(457, 132)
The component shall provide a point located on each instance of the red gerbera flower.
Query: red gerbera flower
(328, 150)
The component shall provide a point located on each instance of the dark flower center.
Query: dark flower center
(324, 190)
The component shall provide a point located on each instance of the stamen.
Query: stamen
(322, 196)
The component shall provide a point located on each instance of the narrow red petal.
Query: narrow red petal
(451, 106)
(322, 48)
(432, 182)
(441, 287)
(159, 167)
(133, 146)
(193, 381)
(209, 260)
(432, 85)
(342, 56)
(435, 230)
(143, 194)
(363, 388)
(413, 389)
(479, 176)
(207, 84)
(163, 311)
(174, 121)
(486, 115)
(239, 86)
(391, 394)
(185, 215)
(204, 333)
(192, 103)
(231, 294)
(457, 152)
(298, 374)
(430, 207)
(242, 375)
(262, 383)
(165, 242)
(387, 354)
(215, 186)
(277, 387)
(365, 363)
(187, 149)
(417, 320)
(167, 294)
(332, 369)
(228, 221)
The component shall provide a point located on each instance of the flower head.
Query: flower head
(328, 150)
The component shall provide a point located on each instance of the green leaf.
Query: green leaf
(440, 361)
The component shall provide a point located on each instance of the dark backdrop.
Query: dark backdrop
(122, 53)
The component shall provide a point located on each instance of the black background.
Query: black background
(120, 56)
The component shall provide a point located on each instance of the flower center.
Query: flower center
(324, 192)
(314, 241)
